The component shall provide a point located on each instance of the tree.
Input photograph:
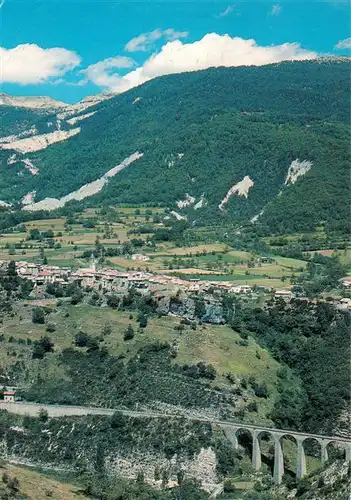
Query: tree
(117, 420)
(143, 321)
(38, 315)
(43, 415)
(41, 347)
(77, 297)
(14, 485)
(180, 477)
(81, 339)
(113, 301)
(129, 333)
(106, 330)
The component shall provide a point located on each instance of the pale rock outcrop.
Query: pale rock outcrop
(85, 191)
(84, 104)
(241, 189)
(187, 202)
(177, 216)
(26, 133)
(201, 203)
(297, 169)
(34, 102)
(39, 142)
(29, 166)
(28, 198)
(256, 217)
(12, 159)
(75, 119)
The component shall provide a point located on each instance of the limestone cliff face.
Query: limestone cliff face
(214, 310)
(185, 305)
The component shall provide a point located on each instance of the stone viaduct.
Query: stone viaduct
(232, 430)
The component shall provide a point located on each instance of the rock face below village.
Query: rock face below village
(190, 306)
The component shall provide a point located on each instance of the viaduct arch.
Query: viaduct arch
(231, 431)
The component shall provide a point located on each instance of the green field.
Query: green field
(215, 261)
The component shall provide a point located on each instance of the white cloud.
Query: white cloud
(101, 74)
(227, 11)
(211, 51)
(276, 10)
(144, 42)
(29, 63)
(343, 44)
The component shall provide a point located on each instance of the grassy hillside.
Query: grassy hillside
(63, 375)
(33, 485)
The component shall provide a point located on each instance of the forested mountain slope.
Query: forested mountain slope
(264, 143)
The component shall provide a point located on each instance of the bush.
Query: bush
(117, 420)
(303, 486)
(43, 415)
(41, 347)
(77, 297)
(129, 333)
(260, 390)
(38, 315)
(143, 321)
(113, 301)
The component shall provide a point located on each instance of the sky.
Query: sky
(69, 49)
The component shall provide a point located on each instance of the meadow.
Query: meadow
(71, 238)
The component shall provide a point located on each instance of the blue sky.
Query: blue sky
(92, 36)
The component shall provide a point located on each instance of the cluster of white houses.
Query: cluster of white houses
(109, 279)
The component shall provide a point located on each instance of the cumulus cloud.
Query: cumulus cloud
(211, 51)
(276, 9)
(145, 41)
(226, 11)
(343, 44)
(101, 73)
(30, 64)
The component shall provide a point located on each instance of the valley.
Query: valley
(175, 288)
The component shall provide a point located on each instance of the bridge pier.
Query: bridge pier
(256, 451)
(324, 451)
(301, 460)
(232, 436)
(278, 471)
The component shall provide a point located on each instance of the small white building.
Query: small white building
(241, 289)
(9, 396)
(140, 257)
(283, 293)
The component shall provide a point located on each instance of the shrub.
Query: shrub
(38, 315)
(143, 321)
(43, 415)
(117, 420)
(113, 301)
(129, 333)
(41, 347)
(260, 390)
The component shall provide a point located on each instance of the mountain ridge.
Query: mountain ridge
(201, 134)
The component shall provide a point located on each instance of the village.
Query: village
(108, 279)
